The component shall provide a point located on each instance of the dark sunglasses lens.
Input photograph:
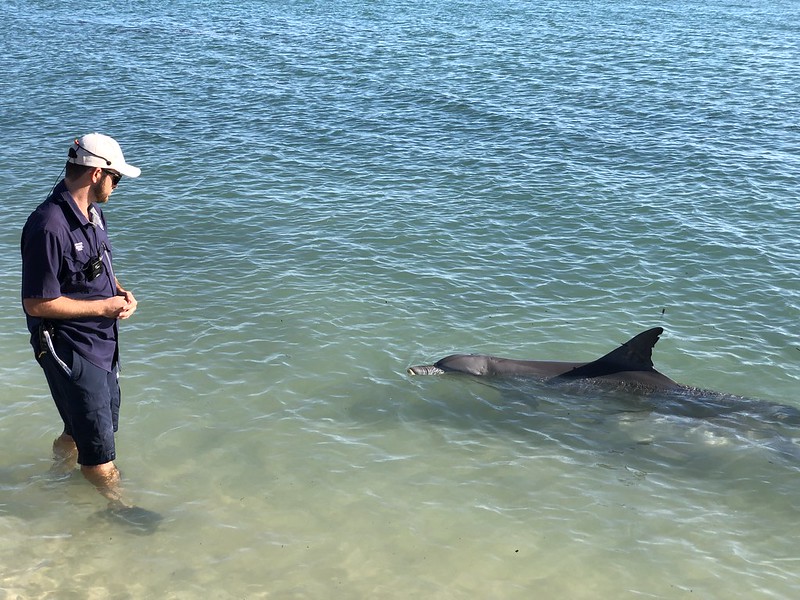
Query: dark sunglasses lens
(115, 177)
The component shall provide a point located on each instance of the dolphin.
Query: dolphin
(630, 363)
(629, 366)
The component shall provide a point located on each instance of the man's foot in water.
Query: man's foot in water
(138, 519)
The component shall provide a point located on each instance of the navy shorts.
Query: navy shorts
(87, 399)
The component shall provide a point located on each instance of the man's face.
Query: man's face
(105, 185)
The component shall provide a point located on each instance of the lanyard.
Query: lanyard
(101, 253)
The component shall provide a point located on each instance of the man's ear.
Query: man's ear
(97, 174)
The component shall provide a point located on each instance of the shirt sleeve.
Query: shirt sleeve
(41, 262)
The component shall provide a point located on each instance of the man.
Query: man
(72, 302)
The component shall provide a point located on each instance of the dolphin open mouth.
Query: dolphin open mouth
(424, 370)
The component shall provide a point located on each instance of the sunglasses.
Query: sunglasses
(115, 177)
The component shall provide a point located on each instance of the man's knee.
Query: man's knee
(64, 446)
(103, 475)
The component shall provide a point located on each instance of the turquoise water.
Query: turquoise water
(333, 192)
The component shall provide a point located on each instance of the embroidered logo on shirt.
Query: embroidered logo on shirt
(78, 246)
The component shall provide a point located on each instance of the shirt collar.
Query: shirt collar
(62, 194)
(94, 213)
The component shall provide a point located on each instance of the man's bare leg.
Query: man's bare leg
(106, 479)
(65, 455)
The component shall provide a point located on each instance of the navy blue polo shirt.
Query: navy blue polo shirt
(58, 244)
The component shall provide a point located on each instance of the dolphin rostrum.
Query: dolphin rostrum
(630, 363)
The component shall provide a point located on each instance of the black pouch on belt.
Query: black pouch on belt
(44, 346)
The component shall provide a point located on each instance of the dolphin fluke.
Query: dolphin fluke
(634, 355)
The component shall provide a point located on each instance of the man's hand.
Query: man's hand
(130, 304)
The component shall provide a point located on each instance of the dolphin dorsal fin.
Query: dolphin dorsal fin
(634, 355)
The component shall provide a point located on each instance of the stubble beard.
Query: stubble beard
(100, 195)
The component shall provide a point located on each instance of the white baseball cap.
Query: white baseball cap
(98, 150)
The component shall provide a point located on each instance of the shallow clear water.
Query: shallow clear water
(332, 193)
